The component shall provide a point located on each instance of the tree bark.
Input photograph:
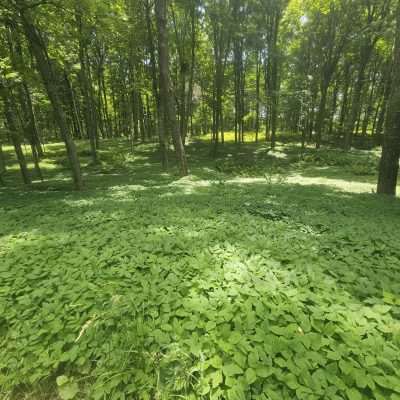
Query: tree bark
(86, 87)
(365, 56)
(389, 164)
(9, 113)
(319, 123)
(49, 78)
(163, 140)
(275, 78)
(3, 168)
(166, 97)
(258, 79)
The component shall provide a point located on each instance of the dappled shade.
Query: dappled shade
(207, 285)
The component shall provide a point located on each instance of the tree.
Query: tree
(86, 83)
(52, 84)
(389, 164)
(167, 105)
(3, 168)
(375, 19)
(9, 107)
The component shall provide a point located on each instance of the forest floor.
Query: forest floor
(262, 275)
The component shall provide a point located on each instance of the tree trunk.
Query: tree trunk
(345, 99)
(49, 78)
(163, 140)
(275, 78)
(389, 164)
(2, 166)
(29, 128)
(32, 120)
(333, 110)
(29, 121)
(166, 98)
(189, 97)
(355, 110)
(319, 123)
(383, 108)
(258, 78)
(9, 113)
(85, 84)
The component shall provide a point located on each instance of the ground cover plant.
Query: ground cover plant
(216, 285)
(198, 199)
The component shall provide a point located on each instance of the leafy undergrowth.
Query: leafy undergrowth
(356, 162)
(149, 289)
(291, 158)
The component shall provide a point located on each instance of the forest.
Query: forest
(198, 199)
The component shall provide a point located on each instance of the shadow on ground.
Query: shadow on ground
(153, 285)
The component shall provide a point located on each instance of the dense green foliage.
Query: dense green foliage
(212, 286)
(316, 68)
(224, 240)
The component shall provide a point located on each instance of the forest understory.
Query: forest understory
(264, 274)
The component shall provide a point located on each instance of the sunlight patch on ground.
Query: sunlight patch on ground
(78, 203)
(125, 192)
(278, 154)
(189, 184)
(352, 187)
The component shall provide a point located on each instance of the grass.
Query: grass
(262, 275)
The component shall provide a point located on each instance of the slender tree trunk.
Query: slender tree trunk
(383, 108)
(9, 113)
(189, 98)
(72, 105)
(141, 119)
(32, 119)
(103, 95)
(275, 78)
(28, 121)
(29, 129)
(258, 79)
(333, 110)
(389, 164)
(166, 97)
(370, 102)
(343, 110)
(3, 168)
(89, 109)
(267, 85)
(162, 134)
(355, 110)
(135, 113)
(319, 123)
(49, 78)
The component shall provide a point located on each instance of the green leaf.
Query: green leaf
(388, 382)
(205, 388)
(215, 362)
(240, 359)
(216, 378)
(250, 375)
(361, 379)
(236, 393)
(68, 391)
(235, 337)
(62, 380)
(232, 369)
(345, 366)
(264, 372)
(353, 394)
(291, 381)
(333, 355)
